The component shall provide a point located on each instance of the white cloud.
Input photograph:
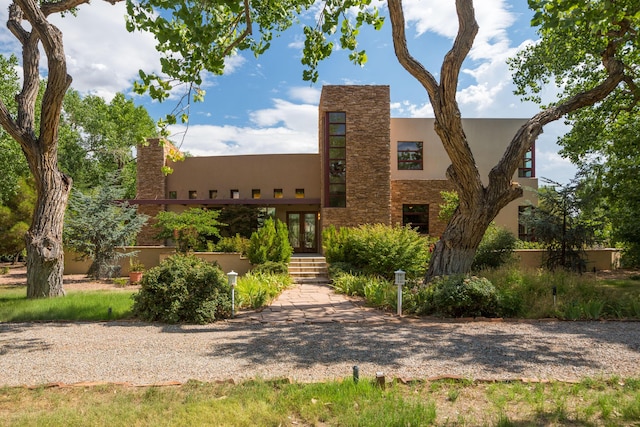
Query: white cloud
(306, 94)
(285, 128)
(102, 56)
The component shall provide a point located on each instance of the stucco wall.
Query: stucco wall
(151, 256)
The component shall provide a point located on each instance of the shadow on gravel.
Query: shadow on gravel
(477, 343)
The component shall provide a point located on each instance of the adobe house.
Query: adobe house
(370, 168)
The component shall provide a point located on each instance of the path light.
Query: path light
(233, 279)
(554, 290)
(399, 281)
(356, 374)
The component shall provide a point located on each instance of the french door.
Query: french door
(303, 231)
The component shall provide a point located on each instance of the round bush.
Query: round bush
(183, 289)
(462, 296)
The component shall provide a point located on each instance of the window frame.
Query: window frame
(422, 226)
(335, 143)
(419, 163)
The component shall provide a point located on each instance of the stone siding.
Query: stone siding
(368, 173)
(420, 192)
(151, 185)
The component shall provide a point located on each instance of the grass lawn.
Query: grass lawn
(613, 402)
(75, 306)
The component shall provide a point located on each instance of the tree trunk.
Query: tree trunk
(45, 254)
(454, 252)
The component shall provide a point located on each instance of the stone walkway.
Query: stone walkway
(314, 303)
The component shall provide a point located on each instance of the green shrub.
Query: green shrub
(183, 289)
(378, 250)
(236, 243)
(348, 283)
(270, 243)
(495, 250)
(464, 296)
(271, 267)
(255, 290)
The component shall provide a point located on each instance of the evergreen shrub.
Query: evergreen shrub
(183, 289)
(270, 243)
(465, 296)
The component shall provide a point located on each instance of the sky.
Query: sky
(262, 105)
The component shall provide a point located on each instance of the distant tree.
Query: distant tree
(190, 230)
(559, 224)
(97, 224)
(15, 217)
(12, 161)
(99, 139)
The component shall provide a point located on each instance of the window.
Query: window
(213, 194)
(417, 217)
(527, 166)
(193, 194)
(173, 195)
(409, 155)
(525, 233)
(336, 157)
(235, 194)
(255, 193)
(299, 193)
(264, 213)
(277, 193)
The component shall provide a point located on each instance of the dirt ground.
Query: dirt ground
(17, 276)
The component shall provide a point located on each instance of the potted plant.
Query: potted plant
(136, 268)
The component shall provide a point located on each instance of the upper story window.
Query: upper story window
(525, 231)
(409, 155)
(213, 194)
(527, 166)
(235, 194)
(173, 195)
(336, 158)
(255, 193)
(277, 193)
(193, 194)
(299, 193)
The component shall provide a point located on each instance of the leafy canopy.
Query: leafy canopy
(195, 37)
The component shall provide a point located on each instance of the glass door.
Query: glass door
(303, 228)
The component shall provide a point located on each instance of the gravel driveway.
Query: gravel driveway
(139, 353)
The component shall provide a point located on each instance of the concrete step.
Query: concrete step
(308, 269)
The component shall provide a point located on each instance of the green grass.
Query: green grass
(255, 290)
(338, 403)
(75, 306)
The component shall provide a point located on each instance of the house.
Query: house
(370, 168)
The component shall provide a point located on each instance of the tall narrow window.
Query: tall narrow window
(525, 233)
(527, 166)
(417, 217)
(336, 159)
(409, 155)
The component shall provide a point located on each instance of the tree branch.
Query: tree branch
(415, 68)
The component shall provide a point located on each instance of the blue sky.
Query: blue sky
(263, 106)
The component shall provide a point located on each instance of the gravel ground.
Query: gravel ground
(139, 353)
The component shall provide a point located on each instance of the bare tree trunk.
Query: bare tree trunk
(454, 252)
(45, 253)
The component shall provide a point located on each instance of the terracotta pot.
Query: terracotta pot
(135, 277)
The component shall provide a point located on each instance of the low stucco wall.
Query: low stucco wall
(151, 256)
(600, 259)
